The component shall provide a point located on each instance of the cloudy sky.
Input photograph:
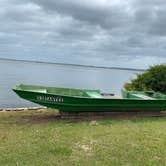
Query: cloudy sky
(125, 33)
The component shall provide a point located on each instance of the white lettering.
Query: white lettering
(49, 98)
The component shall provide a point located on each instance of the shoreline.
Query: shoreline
(21, 108)
(89, 115)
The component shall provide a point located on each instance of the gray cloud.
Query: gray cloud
(100, 32)
(96, 12)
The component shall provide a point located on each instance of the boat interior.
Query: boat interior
(66, 91)
(145, 95)
(90, 93)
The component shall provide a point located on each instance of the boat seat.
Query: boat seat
(93, 94)
(41, 90)
(143, 96)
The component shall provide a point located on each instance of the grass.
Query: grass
(38, 138)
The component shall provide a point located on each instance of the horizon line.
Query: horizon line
(71, 64)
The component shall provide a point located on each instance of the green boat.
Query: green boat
(85, 100)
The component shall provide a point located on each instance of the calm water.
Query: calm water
(13, 72)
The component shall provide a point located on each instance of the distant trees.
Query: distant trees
(154, 79)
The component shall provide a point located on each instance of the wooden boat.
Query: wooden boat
(85, 100)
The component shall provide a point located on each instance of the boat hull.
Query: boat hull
(83, 104)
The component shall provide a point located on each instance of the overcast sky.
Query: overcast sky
(125, 33)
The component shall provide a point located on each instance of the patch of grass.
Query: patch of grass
(39, 138)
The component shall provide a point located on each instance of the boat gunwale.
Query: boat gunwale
(84, 97)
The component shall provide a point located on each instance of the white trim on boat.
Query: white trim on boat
(143, 96)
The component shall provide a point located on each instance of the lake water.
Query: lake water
(14, 72)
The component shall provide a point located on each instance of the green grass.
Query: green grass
(38, 138)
